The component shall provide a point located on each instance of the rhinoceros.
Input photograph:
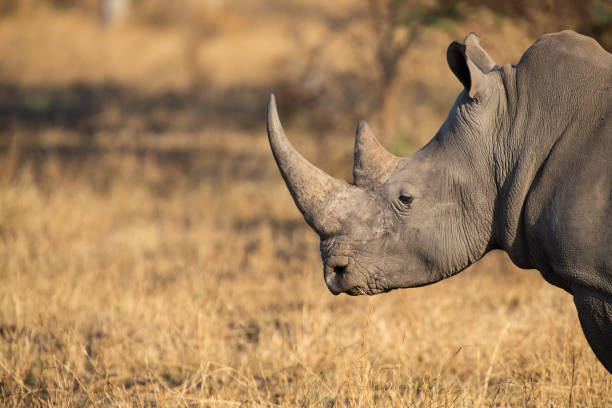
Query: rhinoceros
(523, 163)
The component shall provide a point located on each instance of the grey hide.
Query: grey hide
(523, 163)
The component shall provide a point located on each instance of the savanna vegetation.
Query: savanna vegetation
(150, 255)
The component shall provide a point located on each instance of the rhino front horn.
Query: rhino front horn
(316, 194)
(372, 162)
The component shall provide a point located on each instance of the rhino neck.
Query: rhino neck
(529, 134)
(515, 166)
(466, 180)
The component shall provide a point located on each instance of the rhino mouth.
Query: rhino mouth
(339, 275)
(336, 278)
(342, 276)
(339, 281)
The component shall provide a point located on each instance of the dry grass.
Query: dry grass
(211, 295)
(171, 268)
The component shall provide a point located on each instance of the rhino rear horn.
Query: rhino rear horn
(312, 189)
(372, 162)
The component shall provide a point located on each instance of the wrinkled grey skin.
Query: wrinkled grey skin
(523, 163)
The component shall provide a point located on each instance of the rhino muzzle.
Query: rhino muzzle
(330, 206)
(335, 271)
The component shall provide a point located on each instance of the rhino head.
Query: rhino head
(406, 222)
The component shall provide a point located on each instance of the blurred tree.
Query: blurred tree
(395, 26)
(590, 17)
(112, 11)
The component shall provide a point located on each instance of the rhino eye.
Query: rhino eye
(406, 200)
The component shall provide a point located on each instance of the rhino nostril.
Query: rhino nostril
(337, 261)
(339, 269)
(337, 273)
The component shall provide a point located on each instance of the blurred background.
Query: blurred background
(82, 77)
(150, 254)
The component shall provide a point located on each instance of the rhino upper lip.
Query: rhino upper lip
(336, 269)
(338, 262)
(334, 284)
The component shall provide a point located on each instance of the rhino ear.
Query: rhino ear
(477, 54)
(473, 79)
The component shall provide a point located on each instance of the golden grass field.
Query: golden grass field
(152, 257)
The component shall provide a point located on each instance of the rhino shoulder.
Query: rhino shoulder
(570, 48)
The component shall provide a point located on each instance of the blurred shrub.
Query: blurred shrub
(8, 7)
(590, 17)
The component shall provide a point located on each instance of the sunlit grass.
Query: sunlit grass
(209, 296)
